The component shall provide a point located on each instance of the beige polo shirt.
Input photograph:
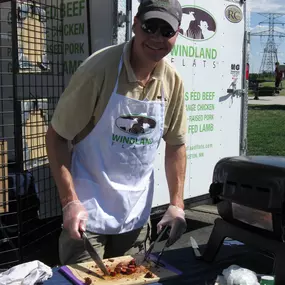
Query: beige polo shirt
(84, 100)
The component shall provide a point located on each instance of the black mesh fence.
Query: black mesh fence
(31, 81)
(41, 45)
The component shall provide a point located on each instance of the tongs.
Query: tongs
(151, 247)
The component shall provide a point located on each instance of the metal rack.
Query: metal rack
(31, 81)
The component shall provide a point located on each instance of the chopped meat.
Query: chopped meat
(130, 271)
(131, 266)
(132, 262)
(111, 259)
(118, 267)
(125, 267)
(149, 275)
(87, 281)
(112, 273)
(120, 264)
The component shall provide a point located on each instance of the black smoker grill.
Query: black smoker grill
(250, 196)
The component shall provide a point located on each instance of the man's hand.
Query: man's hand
(175, 218)
(75, 217)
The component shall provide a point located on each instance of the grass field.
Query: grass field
(266, 130)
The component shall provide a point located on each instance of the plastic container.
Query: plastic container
(267, 280)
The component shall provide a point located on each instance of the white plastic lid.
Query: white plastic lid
(269, 278)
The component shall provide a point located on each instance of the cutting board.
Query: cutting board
(78, 272)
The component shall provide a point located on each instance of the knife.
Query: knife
(195, 247)
(93, 253)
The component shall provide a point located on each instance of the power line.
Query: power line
(270, 51)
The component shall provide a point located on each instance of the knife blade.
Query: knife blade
(93, 253)
(195, 247)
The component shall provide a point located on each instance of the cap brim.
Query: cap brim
(172, 21)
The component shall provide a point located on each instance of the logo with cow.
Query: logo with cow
(197, 24)
(136, 124)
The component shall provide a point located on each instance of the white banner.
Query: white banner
(208, 55)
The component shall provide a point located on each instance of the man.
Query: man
(106, 187)
(278, 77)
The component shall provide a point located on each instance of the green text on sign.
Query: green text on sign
(66, 9)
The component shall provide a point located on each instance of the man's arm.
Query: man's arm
(60, 160)
(175, 167)
(71, 115)
(74, 214)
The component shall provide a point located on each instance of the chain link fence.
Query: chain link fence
(122, 21)
(122, 27)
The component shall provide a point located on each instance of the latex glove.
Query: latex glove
(75, 218)
(175, 218)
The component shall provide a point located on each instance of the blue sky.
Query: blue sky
(257, 43)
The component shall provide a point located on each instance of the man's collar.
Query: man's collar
(157, 74)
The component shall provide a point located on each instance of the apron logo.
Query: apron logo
(135, 124)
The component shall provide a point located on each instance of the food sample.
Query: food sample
(87, 281)
(124, 268)
(149, 275)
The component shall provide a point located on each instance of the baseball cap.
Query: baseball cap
(169, 11)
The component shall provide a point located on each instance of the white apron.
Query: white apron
(112, 167)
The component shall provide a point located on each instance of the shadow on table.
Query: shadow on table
(199, 272)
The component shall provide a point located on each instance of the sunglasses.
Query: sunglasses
(151, 27)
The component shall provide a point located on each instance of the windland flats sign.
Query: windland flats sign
(198, 25)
